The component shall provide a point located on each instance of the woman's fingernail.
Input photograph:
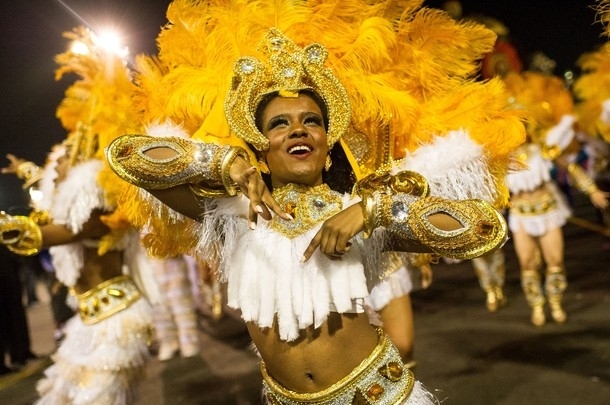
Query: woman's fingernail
(259, 209)
(290, 217)
(252, 225)
(303, 259)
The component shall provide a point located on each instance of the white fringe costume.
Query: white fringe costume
(97, 363)
(266, 278)
(535, 176)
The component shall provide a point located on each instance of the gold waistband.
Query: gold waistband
(106, 299)
(381, 379)
(535, 207)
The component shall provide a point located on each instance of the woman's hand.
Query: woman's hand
(600, 199)
(13, 165)
(334, 237)
(252, 186)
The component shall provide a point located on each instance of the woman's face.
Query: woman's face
(297, 140)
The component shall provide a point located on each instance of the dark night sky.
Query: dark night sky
(31, 35)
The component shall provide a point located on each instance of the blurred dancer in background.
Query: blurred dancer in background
(538, 210)
(94, 250)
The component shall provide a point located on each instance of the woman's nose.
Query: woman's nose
(298, 131)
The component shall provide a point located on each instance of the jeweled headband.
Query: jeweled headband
(289, 69)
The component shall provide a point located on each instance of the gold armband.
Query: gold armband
(377, 188)
(583, 182)
(371, 216)
(401, 204)
(29, 172)
(20, 234)
(203, 166)
(483, 229)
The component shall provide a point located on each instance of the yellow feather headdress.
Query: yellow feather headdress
(592, 87)
(544, 98)
(96, 108)
(409, 73)
(398, 61)
(288, 70)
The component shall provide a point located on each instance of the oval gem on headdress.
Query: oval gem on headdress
(314, 54)
(289, 72)
(247, 66)
(276, 43)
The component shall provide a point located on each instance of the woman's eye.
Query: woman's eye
(313, 119)
(278, 121)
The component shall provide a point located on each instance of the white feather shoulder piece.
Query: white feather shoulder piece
(454, 165)
(77, 195)
(538, 170)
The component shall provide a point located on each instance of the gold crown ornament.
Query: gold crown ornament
(288, 70)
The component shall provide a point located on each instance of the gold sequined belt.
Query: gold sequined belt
(381, 379)
(106, 299)
(537, 207)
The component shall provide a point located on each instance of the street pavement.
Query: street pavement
(465, 355)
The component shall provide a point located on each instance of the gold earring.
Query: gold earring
(262, 166)
(328, 163)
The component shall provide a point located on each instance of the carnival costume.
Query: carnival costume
(551, 135)
(263, 269)
(102, 357)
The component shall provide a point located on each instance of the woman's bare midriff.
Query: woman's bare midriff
(533, 195)
(98, 268)
(320, 357)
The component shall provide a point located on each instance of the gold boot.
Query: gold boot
(500, 297)
(497, 274)
(481, 269)
(530, 283)
(554, 285)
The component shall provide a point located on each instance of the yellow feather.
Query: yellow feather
(409, 72)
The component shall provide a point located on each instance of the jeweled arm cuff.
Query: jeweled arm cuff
(380, 207)
(20, 234)
(203, 166)
(378, 189)
(401, 204)
(483, 229)
(583, 182)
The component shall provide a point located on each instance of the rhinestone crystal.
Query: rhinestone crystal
(399, 211)
(289, 72)
(314, 54)
(247, 67)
